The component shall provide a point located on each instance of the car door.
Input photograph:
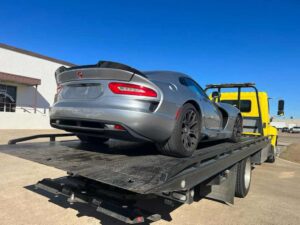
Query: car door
(211, 114)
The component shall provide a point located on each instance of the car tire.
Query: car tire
(237, 130)
(243, 178)
(186, 134)
(92, 139)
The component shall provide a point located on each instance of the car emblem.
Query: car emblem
(79, 74)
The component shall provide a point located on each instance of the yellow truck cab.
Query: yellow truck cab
(254, 106)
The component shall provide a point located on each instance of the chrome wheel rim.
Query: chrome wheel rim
(190, 130)
(247, 174)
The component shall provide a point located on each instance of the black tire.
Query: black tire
(243, 178)
(237, 130)
(272, 156)
(186, 134)
(92, 139)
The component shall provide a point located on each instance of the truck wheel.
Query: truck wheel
(243, 179)
(186, 134)
(92, 139)
(237, 130)
(272, 157)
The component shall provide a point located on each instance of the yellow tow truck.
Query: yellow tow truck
(254, 106)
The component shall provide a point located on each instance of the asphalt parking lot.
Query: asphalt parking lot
(274, 197)
(289, 138)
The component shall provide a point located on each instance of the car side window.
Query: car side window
(193, 86)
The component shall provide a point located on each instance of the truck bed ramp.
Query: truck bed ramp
(137, 167)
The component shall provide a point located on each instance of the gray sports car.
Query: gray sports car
(112, 100)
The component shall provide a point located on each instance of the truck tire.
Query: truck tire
(186, 134)
(243, 179)
(92, 139)
(237, 130)
(272, 157)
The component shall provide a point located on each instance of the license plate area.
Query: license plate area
(82, 91)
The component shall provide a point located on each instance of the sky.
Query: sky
(212, 41)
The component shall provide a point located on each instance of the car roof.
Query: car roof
(163, 75)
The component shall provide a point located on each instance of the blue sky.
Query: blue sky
(213, 41)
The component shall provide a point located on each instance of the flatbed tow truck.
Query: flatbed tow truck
(113, 177)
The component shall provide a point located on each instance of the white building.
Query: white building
(289, 123)
(27, 88)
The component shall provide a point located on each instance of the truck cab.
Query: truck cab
(254, 106)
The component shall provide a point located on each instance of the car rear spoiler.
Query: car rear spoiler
(104, 70)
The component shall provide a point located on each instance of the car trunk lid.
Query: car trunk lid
(93, 73)
(90, 81)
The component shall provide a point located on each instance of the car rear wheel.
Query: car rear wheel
(237, 130)
(186, 134)
(92, 139)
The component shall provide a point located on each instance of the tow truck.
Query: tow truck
(119, 178)
(254, 106)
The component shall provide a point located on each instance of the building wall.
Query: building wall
(20, 120)
(288, 121)
(25, 65)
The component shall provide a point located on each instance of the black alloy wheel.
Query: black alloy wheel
(190, 130)
(237, 129)
(186, 133)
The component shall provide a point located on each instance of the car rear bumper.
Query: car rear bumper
(143, 126)
(95, 128)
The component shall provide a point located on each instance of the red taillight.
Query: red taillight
(118, 127)
(131, 89)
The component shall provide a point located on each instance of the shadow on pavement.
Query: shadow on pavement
(154, 205)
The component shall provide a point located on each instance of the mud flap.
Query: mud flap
(222, 187)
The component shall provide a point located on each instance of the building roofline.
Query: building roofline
(26, 52)
(19, 79)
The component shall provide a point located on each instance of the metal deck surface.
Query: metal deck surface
(131, 166)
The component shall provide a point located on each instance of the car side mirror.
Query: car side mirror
(280, 108)
(215, 95)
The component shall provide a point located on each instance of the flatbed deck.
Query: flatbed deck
(137, 167)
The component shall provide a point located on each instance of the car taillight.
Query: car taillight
(131, 89)
(118, 127)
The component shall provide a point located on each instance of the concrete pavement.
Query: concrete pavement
(274, 198)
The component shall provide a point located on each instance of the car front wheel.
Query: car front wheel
(237, 130)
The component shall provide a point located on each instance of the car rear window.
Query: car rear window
(245, 104)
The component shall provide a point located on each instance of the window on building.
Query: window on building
(8, 97)
(244, 107)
